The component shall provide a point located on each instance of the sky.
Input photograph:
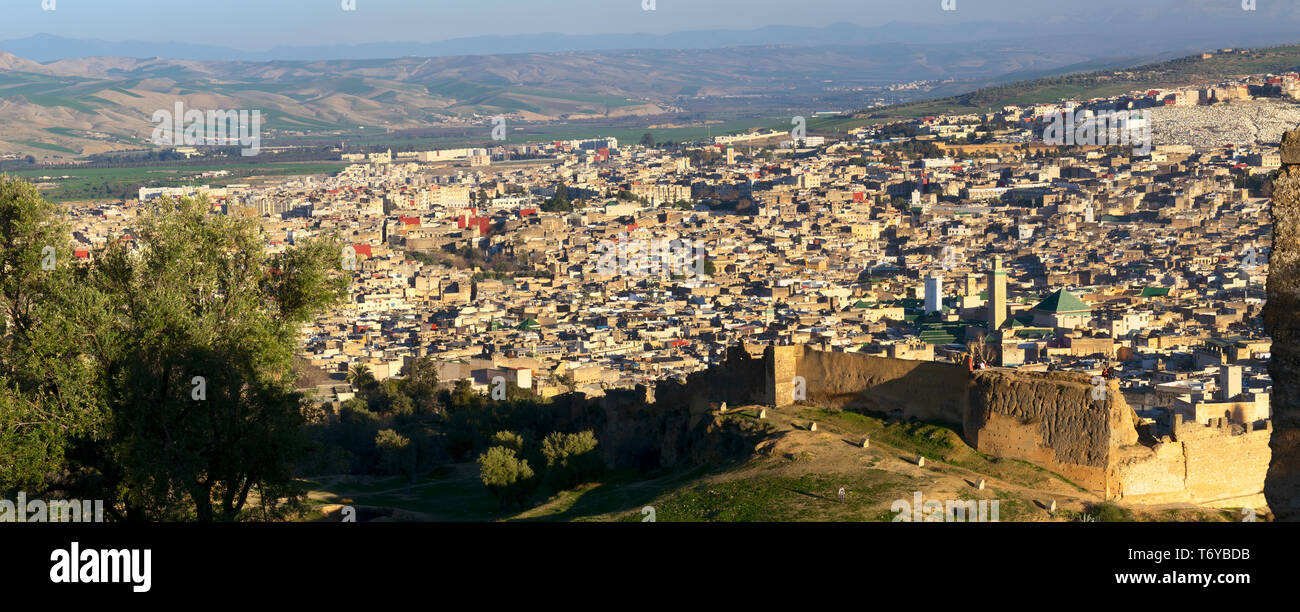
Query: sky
(264, 24)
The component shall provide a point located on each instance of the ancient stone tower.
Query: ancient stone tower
(1282, 320)
(997, 303)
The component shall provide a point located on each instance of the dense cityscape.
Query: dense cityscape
(881, 242)
(482, 269)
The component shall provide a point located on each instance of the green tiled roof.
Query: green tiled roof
(1032, 333)
(1154, 292)
(938, 339)
(1062, 301)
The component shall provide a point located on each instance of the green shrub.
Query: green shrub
(396, 453)
(505, 475)
(1110, 512)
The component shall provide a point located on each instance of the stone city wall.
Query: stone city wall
(1059, 421)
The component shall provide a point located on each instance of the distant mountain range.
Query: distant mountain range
(62, 98)
(81, 106)
(1138, 33)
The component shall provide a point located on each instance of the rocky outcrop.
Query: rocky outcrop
(1282, 320)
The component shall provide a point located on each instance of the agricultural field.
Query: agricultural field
(81, 184)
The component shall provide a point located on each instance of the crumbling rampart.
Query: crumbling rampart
(1060, 421)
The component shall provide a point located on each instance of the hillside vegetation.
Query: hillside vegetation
(792, 474)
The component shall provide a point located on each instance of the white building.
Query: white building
(933, 294)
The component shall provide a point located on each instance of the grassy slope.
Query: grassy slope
(793, 477)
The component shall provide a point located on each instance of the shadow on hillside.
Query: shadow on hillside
(623, 495)
(813, 495)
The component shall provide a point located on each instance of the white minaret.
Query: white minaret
(933, 294)
(1088, 214)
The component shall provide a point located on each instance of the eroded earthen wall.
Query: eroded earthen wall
(1059, 421)
(1053, 420)
(1282, 320)
(1228, 471)
(1220, 470)
(924, 390)
(1156, 475)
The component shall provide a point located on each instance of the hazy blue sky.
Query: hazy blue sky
(262, 24)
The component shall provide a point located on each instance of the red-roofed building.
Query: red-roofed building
(362, 249)
(482, 223)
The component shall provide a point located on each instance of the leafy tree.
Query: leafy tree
(510, 440)
(396, 453)
(505, 475)
(392, 398)
(159, 376)
(48, 397)
(559, 202)
(464, 397)
(421, 377)
(571, 459)
(648, 140)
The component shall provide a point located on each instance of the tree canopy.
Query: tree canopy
(158, 374)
